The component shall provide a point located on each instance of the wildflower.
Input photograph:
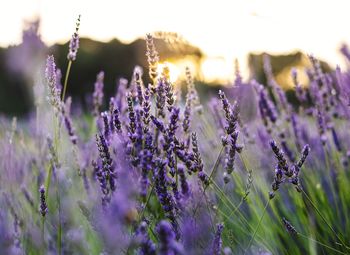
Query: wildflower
(101, 176)
(50, 74)
(230, 158)
(169, 139)
(217, 243)
(74, 42)
(164, 197)
(184, 184)
(152, 59)
(98, 94)
(336, 140)
(282, 162)
(167, 242)
(147, 247)
(104, 116)
(198, 164)
(187, 113)
(290, 229)
(116, 121)
(69, 126)
(160, 97)
(146, 108)
(192, 91)
(300, 93)
(168, 88)
(132, 118)
(137, 81)
(43, 206)
(266, 106)
(321, 127)
(107, 163)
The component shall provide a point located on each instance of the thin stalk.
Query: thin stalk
(66, 80)
(43, 230)
(328, 165)
(147, 201)
(257, 227)
(319, 243)
(59, 230)
(215, 165)
(244, 231)
(49, 174)
(323, 218)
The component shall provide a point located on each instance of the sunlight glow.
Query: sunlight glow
(224, 28)
(174, 72)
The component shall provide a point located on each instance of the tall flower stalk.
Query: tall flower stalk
(72, 54)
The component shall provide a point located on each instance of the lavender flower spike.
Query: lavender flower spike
(305, 152)
(98, 93)
(282, 162)
(152, 58)
(74, 42)
(290, 229)
(50, 75)
(217, 243)
(43, 206)
(168, 244)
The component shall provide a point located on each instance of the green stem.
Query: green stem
(147, 201)
(215, 166)
(66, 80)
(323, 218)
(328, 165)
(319, 243)
(257, 227)
(59, 234)
(43, 230)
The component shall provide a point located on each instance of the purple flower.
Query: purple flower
(147, 247)
(69, 126)
(184, 184)
(98, 94)
(146, 110)
(300, 93)
(152, 59)
(321, 126)
(43, 206)
(160, 97)
(107, 163)
(167, 243)
(336, 140)
(266, 106)
(169, 90)
(187, 113)
(217, 243)
(101, 177)
(50, 74)
(169, 139)
(132, 118)
(290, 229)
(104, 116)
(164, 197)
(158, 123)
(230, 157)
(282, 162)
(137, 81)
(74, 42)
(116, 121)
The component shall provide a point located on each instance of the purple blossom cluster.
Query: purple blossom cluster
(147, 161)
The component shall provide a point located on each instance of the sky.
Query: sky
(223, 29)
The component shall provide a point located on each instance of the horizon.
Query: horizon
(224, 32)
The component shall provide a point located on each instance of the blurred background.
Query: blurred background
(207, 36)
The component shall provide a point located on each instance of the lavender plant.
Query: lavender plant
(150, 170)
